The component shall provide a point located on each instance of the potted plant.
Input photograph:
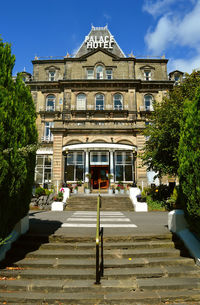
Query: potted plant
(58, 204)
(75, 189)
(87, 187)
(117, 189)
(121, 188)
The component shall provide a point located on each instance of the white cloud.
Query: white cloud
(185, 65)
(157, 8)
(174, 32)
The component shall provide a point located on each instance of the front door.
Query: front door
(99, 177)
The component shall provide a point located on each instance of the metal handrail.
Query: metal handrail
(99, 234)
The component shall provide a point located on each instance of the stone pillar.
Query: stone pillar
(57, 159)
(111, 166)
(86, 165)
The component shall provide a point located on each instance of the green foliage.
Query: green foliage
(155, 205)
(189, 157)
(161, 150)
(58, 197)
(18, 139)
(40, 191)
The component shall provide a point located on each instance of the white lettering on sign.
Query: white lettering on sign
(94, 42)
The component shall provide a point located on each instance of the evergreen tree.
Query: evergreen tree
(18, 139)
(189, 157)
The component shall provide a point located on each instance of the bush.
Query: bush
(155, 205)
(40, 191)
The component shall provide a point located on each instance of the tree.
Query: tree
(189, 157)
(163, 132)
(18, 139)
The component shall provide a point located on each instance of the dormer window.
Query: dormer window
(99, 72)
(147, 75)
(52, 75)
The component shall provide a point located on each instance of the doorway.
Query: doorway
(99, 177)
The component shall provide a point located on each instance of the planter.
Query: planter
(122, 191)
(57, 206)
(110, 191)
(116, 191)
(75, 191)
(87, 191)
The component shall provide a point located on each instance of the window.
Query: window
(74, 166)
(124, 166)
(47, 132)
(99, 102)
(99, 158)
(50, 103)
(43, 170)
(90, 74)
(81, 102)
(52, 75)
(148, 99)
(147, 75)
(99, 72)
(108, 73)
(118, 102)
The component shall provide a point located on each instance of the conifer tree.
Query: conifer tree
(189, 157)
(18, 139)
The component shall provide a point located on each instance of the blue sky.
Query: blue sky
(144, 27)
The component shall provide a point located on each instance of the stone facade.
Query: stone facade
(92, 109)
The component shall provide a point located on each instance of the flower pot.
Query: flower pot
(75, 191)
(116, 191)
(57, 206)
(110, 191)
(87, 191)
(122, 191)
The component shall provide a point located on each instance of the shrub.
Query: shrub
(40, 191)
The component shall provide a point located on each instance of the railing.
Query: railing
(99, 234)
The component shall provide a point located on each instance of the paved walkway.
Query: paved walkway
(83, 223)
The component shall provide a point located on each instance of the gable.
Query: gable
(99, 37)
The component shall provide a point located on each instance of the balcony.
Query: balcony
(47, 139)
(50, 109)
(146, 108)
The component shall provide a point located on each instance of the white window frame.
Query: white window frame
(118, 107)
(81, 101)
(99, 154)
(48, 136)
(90, 73)
(52, 75)
(43, 166)
(99, 74)
(150, 101)
(99, 107)
(147, 75)
(75, 163)
(109, 75)
(124, 163)
(50, 98)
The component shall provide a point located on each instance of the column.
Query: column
(86, 165)
(111, 166)
(57, 159)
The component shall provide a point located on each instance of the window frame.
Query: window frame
(115, 106)
(124, 164)
(107, 74)
(92, 74)
(100, 107)
(147, 77)
(52, 78)
(44, 168)
(50, 98)
(75, 164)
(48, 136)
(78, 107)
(101, 73)
(150, 106)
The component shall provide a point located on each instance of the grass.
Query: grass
(155, 205)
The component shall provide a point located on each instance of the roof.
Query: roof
(100, 37)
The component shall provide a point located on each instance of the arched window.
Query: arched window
(99, 72)
(50, 103)
(81, 101)
(99, 102)
(118, 102)
(148, 100)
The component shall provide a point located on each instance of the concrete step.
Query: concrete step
(97, 297)
(108, 245)
(131, 262)
(108, 253)
(169, 283)
(187, 271)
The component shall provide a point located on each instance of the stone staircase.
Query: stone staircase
(150, 269)
(109, 203)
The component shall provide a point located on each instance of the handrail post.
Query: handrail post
(99, 232)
